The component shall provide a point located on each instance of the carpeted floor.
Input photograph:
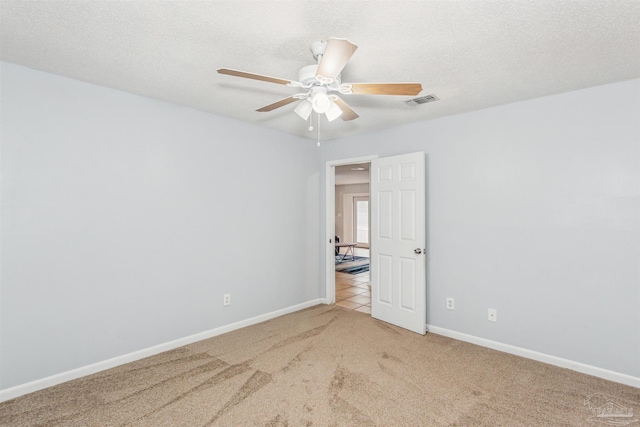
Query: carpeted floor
(324, 366)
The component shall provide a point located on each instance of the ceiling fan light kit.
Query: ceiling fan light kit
(324, 77)
(304, 109)
(320, 101)
(334, 112)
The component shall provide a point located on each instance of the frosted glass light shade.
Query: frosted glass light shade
(304, 109)
(334, 112)
(321, 102)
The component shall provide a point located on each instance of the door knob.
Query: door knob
(418, 251)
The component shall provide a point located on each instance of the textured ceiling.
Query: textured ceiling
(470, 54)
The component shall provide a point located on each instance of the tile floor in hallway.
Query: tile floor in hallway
(353, 290)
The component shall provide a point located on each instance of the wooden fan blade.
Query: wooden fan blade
(278, 104)
(336, 55)
(386, 88)
(347, 112)
(253, 76)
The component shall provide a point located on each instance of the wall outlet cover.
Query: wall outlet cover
(450, 304)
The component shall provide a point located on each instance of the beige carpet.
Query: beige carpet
(325, 366)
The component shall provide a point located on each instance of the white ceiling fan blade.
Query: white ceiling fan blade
(335, 57)
(380, 88)
(347, 112)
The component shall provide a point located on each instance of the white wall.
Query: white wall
(125, 220)
(120, 229)
(534, 210)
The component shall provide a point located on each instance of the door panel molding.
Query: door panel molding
(398, 217)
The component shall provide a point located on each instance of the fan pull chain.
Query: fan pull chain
(310, 122)
(318, 129)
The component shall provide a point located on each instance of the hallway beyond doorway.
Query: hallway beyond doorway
(353, 290)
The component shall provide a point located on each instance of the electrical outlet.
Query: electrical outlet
(450, 305)
(227, 299)
(493, 315)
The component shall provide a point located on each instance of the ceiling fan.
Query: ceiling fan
(319, 81)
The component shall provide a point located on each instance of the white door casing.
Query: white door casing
(398, 272)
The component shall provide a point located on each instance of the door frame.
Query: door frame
(330, 218)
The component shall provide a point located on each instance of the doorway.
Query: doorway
(340, 182)
(352, 288)
(397, 238)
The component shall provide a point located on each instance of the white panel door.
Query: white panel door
(398, 276)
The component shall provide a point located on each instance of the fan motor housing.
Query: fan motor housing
(307, 76)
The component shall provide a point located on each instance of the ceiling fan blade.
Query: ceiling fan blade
(347, 112)
(253, 76)
(335, 57)
(278, 104)
(385, 88)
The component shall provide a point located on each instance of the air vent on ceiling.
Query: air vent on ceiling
(422, 100)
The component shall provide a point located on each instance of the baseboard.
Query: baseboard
(540, 357)
(22, 389)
